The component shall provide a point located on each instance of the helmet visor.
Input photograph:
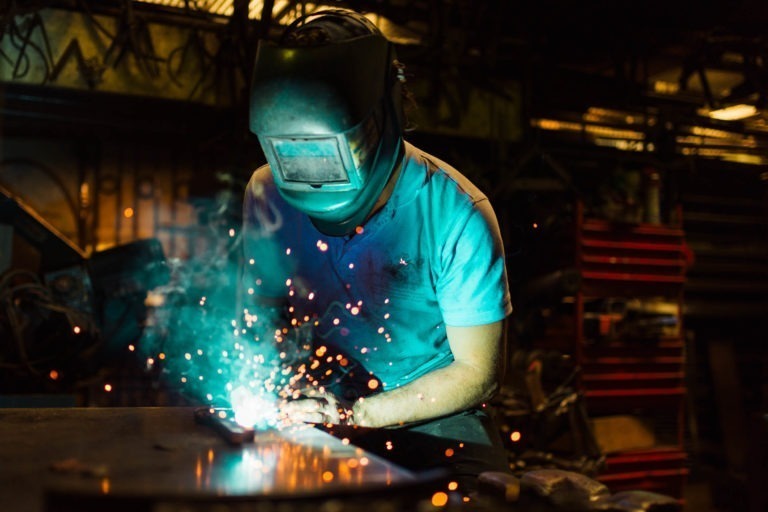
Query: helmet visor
(331, 162)
(314, 161)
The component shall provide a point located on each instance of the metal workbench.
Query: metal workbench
(160, 459)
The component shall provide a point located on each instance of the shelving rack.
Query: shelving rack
(624, 373)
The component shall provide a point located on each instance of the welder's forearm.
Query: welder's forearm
(451, 389)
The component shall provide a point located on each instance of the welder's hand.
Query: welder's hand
(323, 408)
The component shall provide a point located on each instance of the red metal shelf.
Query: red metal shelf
(643, 392)
(632, 260)
(638, 475)
(621, 376)
(662, 452)
(647, 278)
(599, 225)
(636, 360)
(632, 245)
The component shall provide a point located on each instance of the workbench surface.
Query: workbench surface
(53, 459)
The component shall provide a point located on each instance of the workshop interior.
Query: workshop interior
(623, 147)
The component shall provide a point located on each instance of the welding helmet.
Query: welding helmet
(325, 105)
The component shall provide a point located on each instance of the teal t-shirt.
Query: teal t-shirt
(431, 257)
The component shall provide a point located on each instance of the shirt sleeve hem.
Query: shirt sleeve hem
(477, 317)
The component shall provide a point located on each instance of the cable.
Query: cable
(95, 22)
(31, 314)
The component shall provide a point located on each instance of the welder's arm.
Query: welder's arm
(473, 378)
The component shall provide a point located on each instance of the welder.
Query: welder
(389, 257)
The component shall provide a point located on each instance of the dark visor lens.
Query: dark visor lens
(313, 161)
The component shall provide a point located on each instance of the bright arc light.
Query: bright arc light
(253, 410)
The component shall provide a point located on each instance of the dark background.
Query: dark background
(126, 121)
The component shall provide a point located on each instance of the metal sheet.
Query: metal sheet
(147, 453)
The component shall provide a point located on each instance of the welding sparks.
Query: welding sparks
(272, 356)
(439, 499)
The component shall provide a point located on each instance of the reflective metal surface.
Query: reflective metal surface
(161, 452)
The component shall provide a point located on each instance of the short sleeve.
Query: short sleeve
(472, 286)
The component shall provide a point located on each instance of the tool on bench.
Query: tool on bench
(222, 420)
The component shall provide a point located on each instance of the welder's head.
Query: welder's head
(326, 107)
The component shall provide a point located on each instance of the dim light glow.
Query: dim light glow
(744, 158)
(594, 129)
(713, 133)
(664, 87)
(733, 112)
